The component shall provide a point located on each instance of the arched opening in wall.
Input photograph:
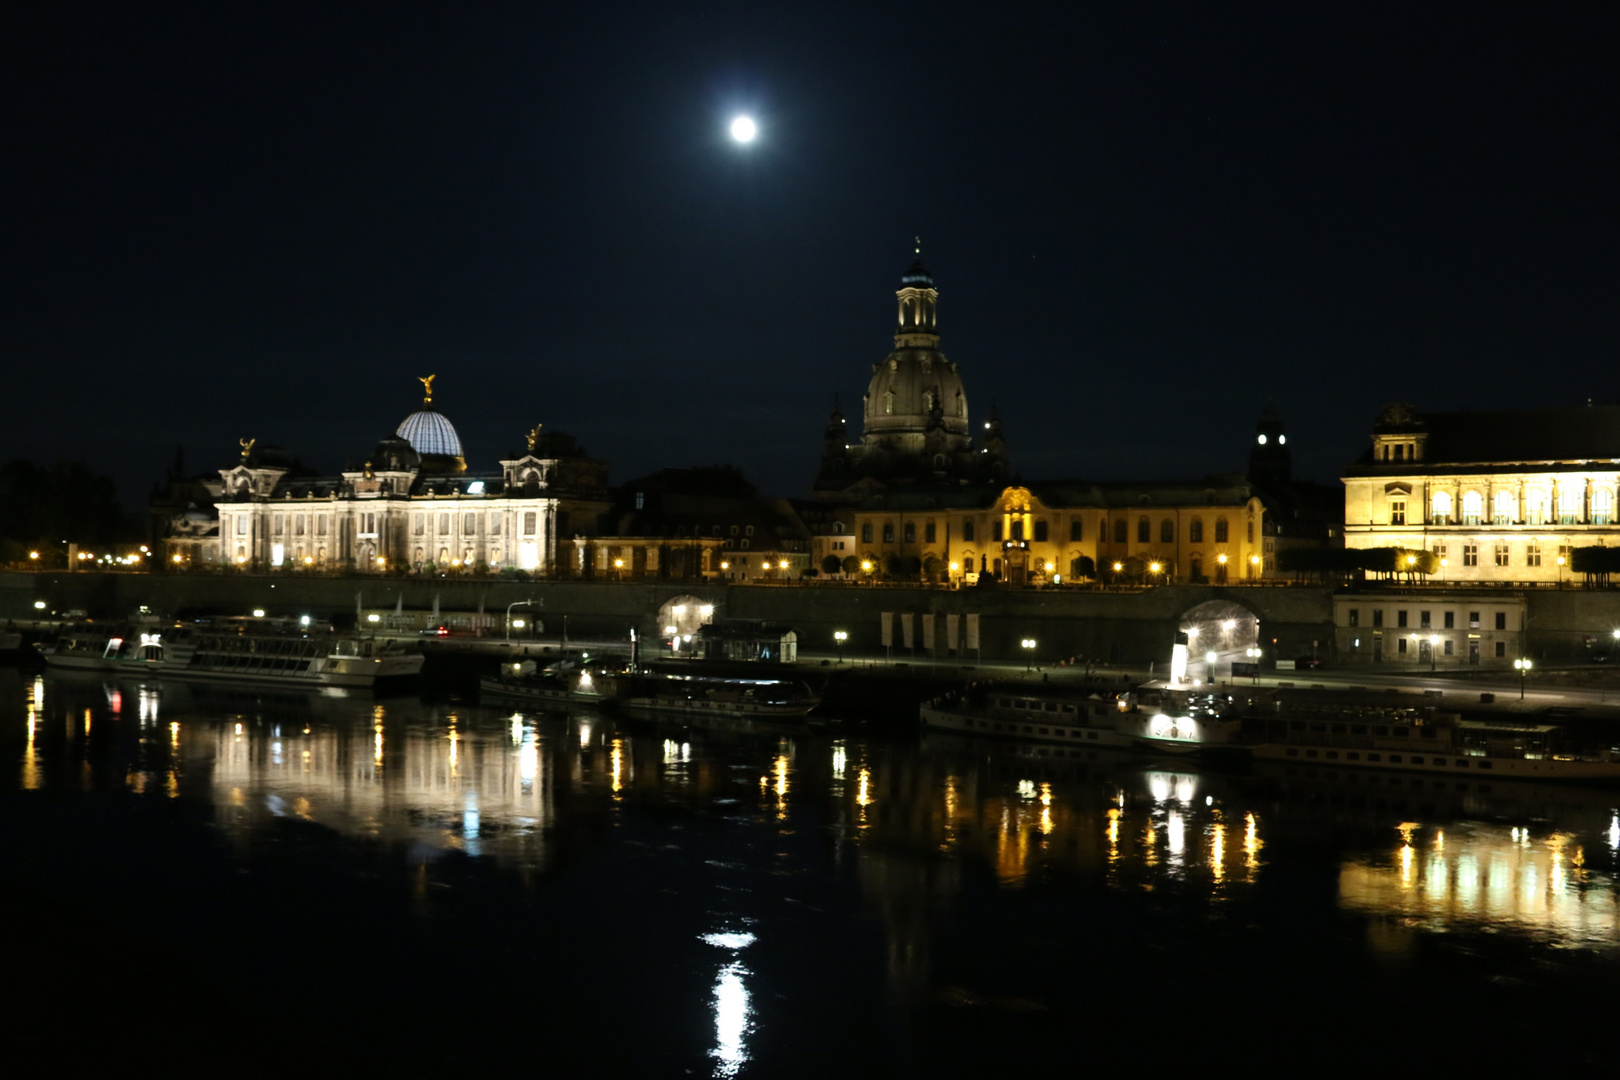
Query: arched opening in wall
(1224, 630)
(678, 621)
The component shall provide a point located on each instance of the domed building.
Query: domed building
(432, 436)
(915, 422)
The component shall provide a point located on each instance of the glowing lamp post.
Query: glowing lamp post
(1561, 562)
(1254, 566)
(512, 623)
(840, 636)
(1028, 645)
(1523, 668)
(1434, 649)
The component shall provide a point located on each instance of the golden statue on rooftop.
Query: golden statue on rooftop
(534, 436)
(247, 447)
(427, 385)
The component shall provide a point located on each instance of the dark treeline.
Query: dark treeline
(44, 506)
(1340, 564)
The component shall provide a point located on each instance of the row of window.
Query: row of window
(1501, 554)
(1077, 532)
(1394, 759)
(1505, 506)
(1425, 618)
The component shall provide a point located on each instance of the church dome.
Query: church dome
(429, 432)
(910, 388)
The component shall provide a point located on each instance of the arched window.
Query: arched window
(1441, 511)
(1505, 509)
(1535, 508)
(1119, 531)
(888, 403)
(1569, 506)
(1077, 530)
(1167, 531)
(1602, 507)
(1473, 507)
(1144, 531)
(1195, 531)
(1220, 530)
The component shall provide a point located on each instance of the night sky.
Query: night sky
(1145, 221)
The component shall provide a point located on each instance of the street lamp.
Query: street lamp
(1523, 668)
(1434, 648)
(1028, 645)
(1561, 562)
(840, 636)
(519, 623)
(1254, 566)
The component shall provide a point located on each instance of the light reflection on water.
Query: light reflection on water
(911, 823)
(1476, 874)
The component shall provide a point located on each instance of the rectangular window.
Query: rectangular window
(241, 524)
(1378, 616)
(1451, 620)
(1449, 647)
(1473, 620)
(1400, 645)
(444, 524)
(320, 525)
(888, 532)
(418, 524)
(1501, 649)
(1440, 553)
(276, 524)
(469, 524)
(1195, 531)
(1423, 619)
(531, 519)
(1563, 554)
(910, 532)
(1167, 531)
(1144, 531)
(1251, 530)
(1040, 530)
(495, 524)
(1501, 554)
(1400, 617)
(1501, 620)
(1397, 511)
(967, 530)
(928, 533)
(298, 525)
(866, 532)
(1470, 554)
(1532, 555)
(1354, 615)
(1119, 531)
(1077, 531)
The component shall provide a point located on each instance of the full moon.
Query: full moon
(743, 129)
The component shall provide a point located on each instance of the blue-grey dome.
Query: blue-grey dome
(429, 432)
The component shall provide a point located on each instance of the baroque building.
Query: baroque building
(1498, 496)
(916, 429)
(416, 505)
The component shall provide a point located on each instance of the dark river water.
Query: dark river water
(220, 879)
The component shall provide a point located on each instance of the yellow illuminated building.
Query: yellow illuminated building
(1497, 496)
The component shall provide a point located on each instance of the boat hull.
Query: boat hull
(1484, 768)
(967, 720)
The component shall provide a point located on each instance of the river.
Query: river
(208, 878)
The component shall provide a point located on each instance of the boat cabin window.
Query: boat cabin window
(1358, 729)
(1375, 757)
(1401, 731)
(1338, 729)
(1319, 727)
(1381, 729)
(1394, 759)
(1484, 764)
(1427, 733)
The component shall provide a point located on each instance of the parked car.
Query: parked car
(1306, 663)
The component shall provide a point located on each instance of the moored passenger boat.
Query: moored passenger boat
(234, 651)
(1027, 714)
(1430, 741)
(701, 695)
(563, 683)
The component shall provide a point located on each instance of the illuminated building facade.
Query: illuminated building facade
(1430, 629)
(1046, 533)
(1499, 497)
